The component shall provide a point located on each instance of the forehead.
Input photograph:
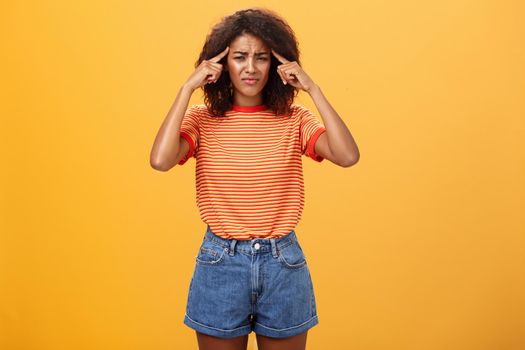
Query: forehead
(248, 43)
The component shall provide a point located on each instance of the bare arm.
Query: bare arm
(169, 148)
(336, 144)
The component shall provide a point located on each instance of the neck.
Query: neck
(248, 101)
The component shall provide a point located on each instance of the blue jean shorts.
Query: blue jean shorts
(260, 285)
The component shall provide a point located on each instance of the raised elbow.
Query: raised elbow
(349, 161)
(159, 165)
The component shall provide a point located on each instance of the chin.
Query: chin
(253, 94)
(250, 93)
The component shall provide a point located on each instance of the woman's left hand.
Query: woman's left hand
(292, 73)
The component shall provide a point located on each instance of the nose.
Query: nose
(250, 66)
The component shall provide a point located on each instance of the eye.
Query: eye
(263, 58)
(238, 57)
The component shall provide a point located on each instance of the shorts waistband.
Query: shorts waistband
(260, 245)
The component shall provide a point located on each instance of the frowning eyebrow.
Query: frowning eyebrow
(256, 54)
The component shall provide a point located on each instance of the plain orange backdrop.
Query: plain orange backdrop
(420, 245)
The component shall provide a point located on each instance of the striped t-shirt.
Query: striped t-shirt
(249, 174)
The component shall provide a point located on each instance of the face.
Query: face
(248, 66)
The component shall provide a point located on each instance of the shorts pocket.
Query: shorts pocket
(292, 256)
(210, 253)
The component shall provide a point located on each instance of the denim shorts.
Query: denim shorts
(260, 285)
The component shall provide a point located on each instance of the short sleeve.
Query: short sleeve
(310, 130)
(189, 129)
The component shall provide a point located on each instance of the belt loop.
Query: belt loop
(232, 246)
(293, 236)
(275, 251)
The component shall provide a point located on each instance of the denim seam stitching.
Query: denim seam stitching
(294, 266)
(214, 261)
(280, 246)
(217, 329)
(298, 265)
(285, 329)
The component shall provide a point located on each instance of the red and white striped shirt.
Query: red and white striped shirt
(249, 174)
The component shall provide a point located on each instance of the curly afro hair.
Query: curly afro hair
(275, 32)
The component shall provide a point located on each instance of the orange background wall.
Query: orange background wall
(421, 245)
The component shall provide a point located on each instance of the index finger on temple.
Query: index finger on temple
(279, 57)
(221, 55)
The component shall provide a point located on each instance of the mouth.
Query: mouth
(250, 81)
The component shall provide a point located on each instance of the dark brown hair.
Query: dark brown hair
(275, 32)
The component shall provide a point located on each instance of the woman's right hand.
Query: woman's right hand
(207, 72)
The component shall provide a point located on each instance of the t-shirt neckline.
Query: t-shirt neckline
(256, 108)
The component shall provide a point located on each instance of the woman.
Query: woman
(247, 139)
